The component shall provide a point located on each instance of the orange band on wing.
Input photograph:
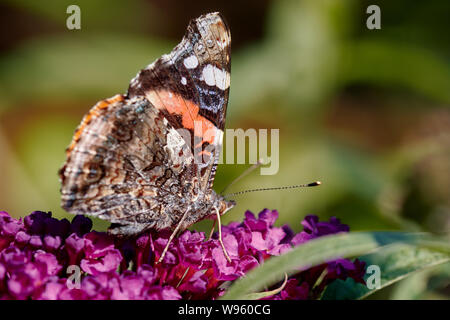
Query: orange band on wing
(188, 110)
(94, 112)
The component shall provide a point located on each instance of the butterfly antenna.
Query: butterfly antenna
(243, 174)
(312, 184)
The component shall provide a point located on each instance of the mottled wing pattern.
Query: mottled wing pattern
(191, 86)
(131, 163)
(127, 164)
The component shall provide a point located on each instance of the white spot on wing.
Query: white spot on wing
(190, 62)
(175, 143)
(214, 76)
(183, 81)
(208, 75)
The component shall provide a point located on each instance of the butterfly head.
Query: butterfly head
(225, 205)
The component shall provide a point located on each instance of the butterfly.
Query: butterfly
(146, 160)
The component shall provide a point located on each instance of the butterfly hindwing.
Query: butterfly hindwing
(126, 164)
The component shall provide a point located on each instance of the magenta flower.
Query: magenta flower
(36, 253)
(312, 228)
(295, 291)
(99, 254)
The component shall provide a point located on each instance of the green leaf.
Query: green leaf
(395, 263)
(264, 294)
(324, 249)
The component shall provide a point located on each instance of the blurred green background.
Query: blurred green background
(364, 111)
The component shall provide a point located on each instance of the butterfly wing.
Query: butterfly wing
(138, 159)
(191, 87)
(126, 164)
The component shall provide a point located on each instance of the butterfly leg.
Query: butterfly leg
(220, 236)
(173, 236)
(212, 230)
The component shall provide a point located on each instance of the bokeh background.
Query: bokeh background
(364, 111)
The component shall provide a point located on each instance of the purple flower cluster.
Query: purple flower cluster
(45, 258)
